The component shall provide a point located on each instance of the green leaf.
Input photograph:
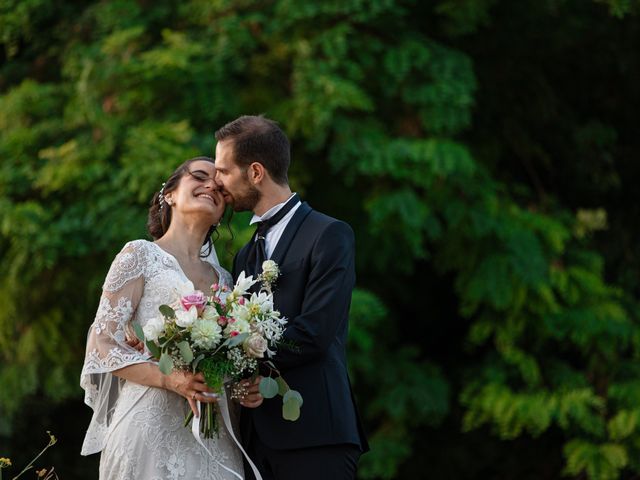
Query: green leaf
(185, 351)
(166, 363)
(167, 311)
(235, 341)
(282, 386)
(291, 410)
(154, 349)
(197, 361)
(293, 396)
(268, 387)
(138, 331)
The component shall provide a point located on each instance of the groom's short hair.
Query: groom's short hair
(258, 139)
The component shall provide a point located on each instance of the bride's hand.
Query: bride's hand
(192, 387)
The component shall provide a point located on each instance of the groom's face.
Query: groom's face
(233, 180)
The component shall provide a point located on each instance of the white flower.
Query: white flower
(179, 291)
(258, 305)
(238, 325)
(185, 318)
(210, 313)
(185, 288)
(206, 333)
(241, 312)
(243, 284)
(153, 329)
(270, 271)
(262, 300)
(255, 345)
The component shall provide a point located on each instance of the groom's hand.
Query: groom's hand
(252, 398)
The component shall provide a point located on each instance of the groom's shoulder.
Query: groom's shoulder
(321, 222)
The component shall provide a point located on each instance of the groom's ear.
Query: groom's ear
(256, 173)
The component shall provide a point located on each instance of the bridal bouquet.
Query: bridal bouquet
(226, 336)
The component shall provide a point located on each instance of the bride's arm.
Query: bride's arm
(110, 357)
(190, 386)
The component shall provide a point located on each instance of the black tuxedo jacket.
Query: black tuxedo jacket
(317, 275)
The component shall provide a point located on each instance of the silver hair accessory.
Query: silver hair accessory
(161, 199)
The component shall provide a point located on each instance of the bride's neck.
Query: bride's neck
(184, 239)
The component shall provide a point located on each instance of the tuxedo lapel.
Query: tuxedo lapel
(290, 232)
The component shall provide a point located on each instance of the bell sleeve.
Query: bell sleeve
(107, 349)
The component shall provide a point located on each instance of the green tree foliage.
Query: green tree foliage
(483, 306)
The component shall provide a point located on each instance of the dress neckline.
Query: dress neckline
(215, 267)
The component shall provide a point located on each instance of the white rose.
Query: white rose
(185, 318)
(255, 345)
(153, 329)
(210, 313)
(270, 268)
(184, 288)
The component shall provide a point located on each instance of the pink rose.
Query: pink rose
(234, 334)
(222, 321)
(241, 301)
(215, 287)
(195, 299)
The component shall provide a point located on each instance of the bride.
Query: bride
(138, 412)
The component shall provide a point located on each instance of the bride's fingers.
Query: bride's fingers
(207, 397)
(135, 343)
(200, 386)
(194, 407)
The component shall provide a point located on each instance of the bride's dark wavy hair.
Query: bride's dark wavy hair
(159, 219)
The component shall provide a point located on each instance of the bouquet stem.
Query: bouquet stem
(207, 420)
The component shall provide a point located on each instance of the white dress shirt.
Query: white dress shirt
(275, 232)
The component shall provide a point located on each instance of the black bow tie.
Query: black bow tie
(257, 252)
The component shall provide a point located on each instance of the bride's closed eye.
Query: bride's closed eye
(201, 176)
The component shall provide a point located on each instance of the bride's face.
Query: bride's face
(197, 194)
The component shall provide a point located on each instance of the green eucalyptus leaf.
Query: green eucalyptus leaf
(282, 386)
(268, 387)
(166, 363)
(185, 351)
(237, 340)
(137, 328)
(293, 396)
(291, 410)
(154, 349)
(197, 361)
(167, 311)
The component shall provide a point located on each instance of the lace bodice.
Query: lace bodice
(141, 278)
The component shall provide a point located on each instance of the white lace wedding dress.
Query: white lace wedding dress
(140, 429)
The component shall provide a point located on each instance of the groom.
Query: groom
(316, 258)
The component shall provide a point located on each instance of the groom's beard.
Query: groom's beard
(247, 201)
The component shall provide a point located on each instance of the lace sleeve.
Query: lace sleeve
(107, 349)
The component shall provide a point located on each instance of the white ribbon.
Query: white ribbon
(224, 413)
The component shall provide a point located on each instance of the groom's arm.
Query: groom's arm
(325, 307)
